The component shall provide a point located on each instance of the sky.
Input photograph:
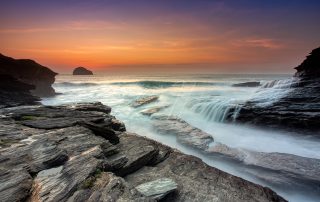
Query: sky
(171, 35)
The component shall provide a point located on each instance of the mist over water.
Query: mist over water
(203, 101)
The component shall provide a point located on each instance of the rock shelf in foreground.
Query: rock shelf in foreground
(82, 153)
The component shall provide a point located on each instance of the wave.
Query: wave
(70, 84)
(167, 84)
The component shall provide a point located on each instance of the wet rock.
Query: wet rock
(30, 72)
(81, 71)
(185, 133)
(298, 109)
(157, 189)
(15, 185)
(247, 84)
(149, 112)
(91, 106)
(291, 169)
(144, 101)
(196, 180)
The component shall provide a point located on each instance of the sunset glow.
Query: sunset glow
(111, 35)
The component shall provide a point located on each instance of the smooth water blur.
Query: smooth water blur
(201, 100)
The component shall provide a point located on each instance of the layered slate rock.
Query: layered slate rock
(82, 71)
(298, 109)
(185, 133)
(144, 100)
(29, 72)
(153, 110)
(157, 189)
(71, 161)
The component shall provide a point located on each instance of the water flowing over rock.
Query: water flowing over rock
(153, 110)
(66, 159)
(145, 100)
(185, 133)
(82, 71)
(29, 72)
(247, 84)
(293, 106)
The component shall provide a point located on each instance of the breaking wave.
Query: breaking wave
(70, 84)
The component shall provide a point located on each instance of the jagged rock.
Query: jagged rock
(69, 163)
(15, 185)
(145, 100)
(198, 181)
(247, 84)
(58, 184)
(109, 187)
(149, 112)
(291, 169)
(298, 109)
(139, 153)
(15, 93)
(185, 133)
(30, 72)
(157, 189)
(90, 106)
(81, 71)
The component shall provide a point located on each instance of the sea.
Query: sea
(203, 101)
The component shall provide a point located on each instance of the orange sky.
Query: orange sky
(177, 39)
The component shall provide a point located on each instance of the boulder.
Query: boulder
(153, 110)
(184, 132)
(144, 100)
(30, 72)
(157, 189)
(82, 71)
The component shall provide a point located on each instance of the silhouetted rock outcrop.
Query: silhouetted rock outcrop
(14, 92)
(81, 71)
(299, 108)
(247, 84)
(30, 72)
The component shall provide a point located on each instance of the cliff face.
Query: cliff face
(15, 93)
(29, 72)
(299, 109)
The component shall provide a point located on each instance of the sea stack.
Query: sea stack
(29, 72)
(82, 71)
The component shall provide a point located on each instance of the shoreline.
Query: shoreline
(135, 158)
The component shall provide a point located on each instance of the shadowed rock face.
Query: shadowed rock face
(68, 160)
(299, 109)
(30, 72)
(14, 92)
(81, 71)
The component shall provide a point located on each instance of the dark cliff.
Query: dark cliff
(29, 72)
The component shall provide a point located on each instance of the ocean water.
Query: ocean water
(203, 101)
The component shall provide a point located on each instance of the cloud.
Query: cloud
(267, 43)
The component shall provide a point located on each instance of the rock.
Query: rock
(310, 67)
(288, 169)
(151, 111)
(145, 100)
(15, 93)
(81, 71)
(15, 185)
(247, 84)
(297, 109)
(30, 72)
(185, 133)
(90, 106)
(139, 154)
(198, 181)
(157, 189)
(73, 162)
(109, 187)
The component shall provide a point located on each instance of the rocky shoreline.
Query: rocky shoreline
(81, 152)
